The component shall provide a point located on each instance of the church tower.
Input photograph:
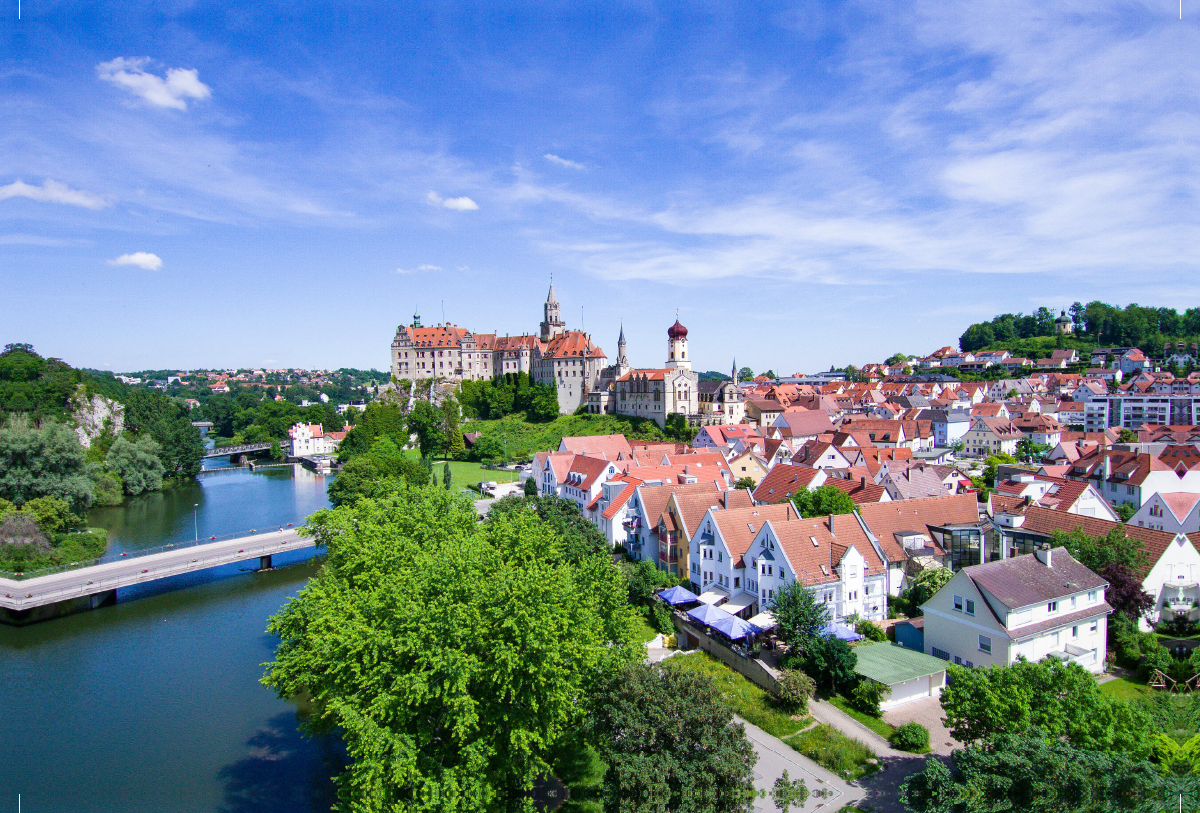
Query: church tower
(677, 357)
(552, 324)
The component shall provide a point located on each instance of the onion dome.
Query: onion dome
(677, 331)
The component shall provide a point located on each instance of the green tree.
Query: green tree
(1098, 552)
(446, 476)
(787, 793)
(1128, 436)
(378, 418)
(107, 489)
(990, 466)
(800, 615)
(45, 462)
(530, 488)
(455, 445)
(745, 483)
(448, 654)
(1061, 699)
(745, 374)
(1030, 452)
(137, 464)
(829, 661)
(376, 473)
(580, 539)
(664, 726)
(896, 359)
(931, 791)
(822, 501)
(53, 516)
(543, 407)
(426, 422)
(925, 584)
(168, 422)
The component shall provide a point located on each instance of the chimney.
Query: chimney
(862, 481)
(831, 524)
(1043, 554)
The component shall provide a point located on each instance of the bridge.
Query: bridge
(245, 448)
(25, 601)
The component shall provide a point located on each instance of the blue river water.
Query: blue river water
(154, 704)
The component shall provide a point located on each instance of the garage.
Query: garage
(910, 675)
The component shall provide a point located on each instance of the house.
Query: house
(785, 480)
(1132, 361)
(1177, 513)
(720, 402)
(802, 424)
(1131, 477)
(908, 673)
(686, 509)
(1041, 429)
(917, 481)
(832, 555)
(644, 514)
(716, 569)
(859, 489)
(1013, 496)
(763, 411)
(988, 436)
(821, 454)
(311, 439)
(1039, 605)
(604, 447)
(914, 534)
(585, 477)
(724, 437)
(749, 463)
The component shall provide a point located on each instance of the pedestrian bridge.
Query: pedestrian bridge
(245, 448)
(23, 601)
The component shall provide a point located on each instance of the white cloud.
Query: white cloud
(563, 162)
(52, 192)
(463, 204)
(169, 91)
(142, 259)
(422, 267)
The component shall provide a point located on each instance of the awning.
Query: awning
(841, 631)
(707, 614)
(739, 602)
(734, 628)
(764, 621)
(677, 595)
(714, 596)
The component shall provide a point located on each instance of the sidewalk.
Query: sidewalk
(775, 756)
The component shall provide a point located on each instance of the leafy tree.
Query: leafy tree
(787, 793)
(745, 374)
(376, 473)
(1030, 452)
(870, 630)
(455, 445)
(137, 464)
(976, 337)
(931, 791)
(1061, 699)
(543, 406)
(795, 689)
(1127, 436)
(1125, 511)
(658, 726)
(867, 695)
(580, 539)
(427, 423)
(530, 488)
(487, 449)
(800, 615)
(446, 476)
(643, 580)
(744, 483)
(925, 584)
(168, 422)
(1097, 553)
(830, 662)
(448, 654)
(991, 463)
(822, 501)
(52, 515)
(676, 428)
(896, 359)
(107, 489)
(378, 418)
(45, 462)
(1125, 592)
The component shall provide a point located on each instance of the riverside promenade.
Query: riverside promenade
(24, 601)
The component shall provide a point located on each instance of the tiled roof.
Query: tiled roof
(572, 344)
(797, 535)
(691, 506)
(783, 481)
(654, 498)
(607, 447)
(804, 422)
(739, 526)
(1022, 581)
(619, 501)
(886, 519)
(861, 490)
(439, 336)
(1044, 522)
(588, 469)
(1181, 503)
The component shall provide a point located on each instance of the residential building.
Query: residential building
(749, 463)
(785, 480)
(988, 436)
(1131, 477)
(1034, 606)
(311, 439)
(1012, 497)
(1176, 513)
(715, 555)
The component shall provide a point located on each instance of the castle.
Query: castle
(566, 359)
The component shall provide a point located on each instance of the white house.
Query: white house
(1177, 513)
(832, 555)
(310, 439)
(1035, 606)
(1174, 581)
(715, 551)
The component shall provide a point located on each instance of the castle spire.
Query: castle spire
(735, 371)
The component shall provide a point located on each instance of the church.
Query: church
(652, 393)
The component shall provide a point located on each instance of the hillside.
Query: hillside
(524, 439)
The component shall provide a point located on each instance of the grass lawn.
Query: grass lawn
(464, 472)
(874, 723)
(526, 439)
(645, 632)
(747, 699)
(834, 751)
(1125, 688)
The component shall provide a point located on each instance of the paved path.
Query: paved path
(85, 581)
(825, 712)
(928, 712)
(775, 756)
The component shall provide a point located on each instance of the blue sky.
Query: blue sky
(188, 184)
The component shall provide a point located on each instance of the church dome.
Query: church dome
(677, 331)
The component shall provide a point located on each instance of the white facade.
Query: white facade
(309, 440)
(1173, 581)
(967, 624)
(1173, 513)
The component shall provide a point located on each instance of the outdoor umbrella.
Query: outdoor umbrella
(734, 628)
(841, 631)
(707, 614)
(678, 595)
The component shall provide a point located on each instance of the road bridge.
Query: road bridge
(245, 448)
(25, 601)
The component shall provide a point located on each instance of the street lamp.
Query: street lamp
(195, 522)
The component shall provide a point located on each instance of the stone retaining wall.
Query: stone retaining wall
(691, 636)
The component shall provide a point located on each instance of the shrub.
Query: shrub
(1154, 657)
(795, 688)
(108, 489)
(828, 660)
(831, 749)
(912, 737)
(660, 617)
(870, 630)
(867, 696)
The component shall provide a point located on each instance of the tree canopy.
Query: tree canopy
(822, 501)
(42, 462)
(450, 654)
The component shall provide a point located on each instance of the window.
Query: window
(1052, 607)
(958, 661)
(1091, 596)
(958, 603)
(1095, 626)
(1072, 602)
(1074, 632)
(737, 581)
(970, 607)
(985, 644)
(968, 664)
(940, 653)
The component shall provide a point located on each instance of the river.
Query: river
(154, 704)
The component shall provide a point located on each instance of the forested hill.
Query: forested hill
(44, 387)
(1095, 324)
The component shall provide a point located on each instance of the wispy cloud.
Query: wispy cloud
(563, 162)
(52, 192)
(38, 240)
(171, 90)
(422, 267)
(141, 259)
(463, 204)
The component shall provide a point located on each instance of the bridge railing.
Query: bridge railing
(171, 546)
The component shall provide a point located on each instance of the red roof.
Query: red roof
(783, 481)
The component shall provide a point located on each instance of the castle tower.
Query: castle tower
(552, 324)
(735, 371)
(677, 357)
(622, 359)
(416, 318)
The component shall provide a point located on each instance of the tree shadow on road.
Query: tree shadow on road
(883, 787)
(285, 771)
